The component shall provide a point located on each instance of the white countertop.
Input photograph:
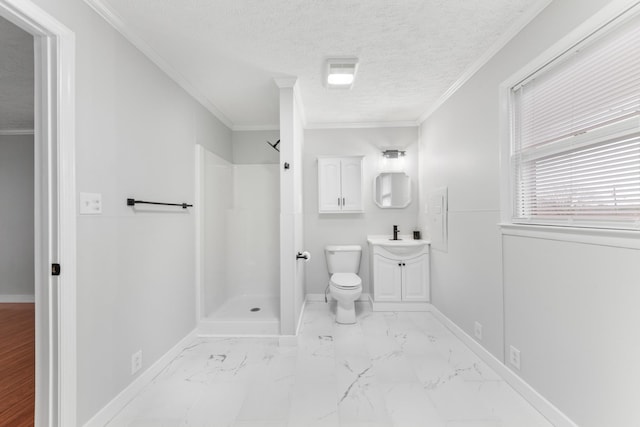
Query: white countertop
(403, 240)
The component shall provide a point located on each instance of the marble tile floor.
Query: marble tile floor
(389, 369)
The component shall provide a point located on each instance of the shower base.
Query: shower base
(247, 315)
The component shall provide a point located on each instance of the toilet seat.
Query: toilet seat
(345, 280)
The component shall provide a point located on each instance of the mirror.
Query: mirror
(392, 190)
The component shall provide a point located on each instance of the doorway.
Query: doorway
(54, 227)
(17, 268)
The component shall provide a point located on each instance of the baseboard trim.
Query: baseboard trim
(118, 403)
(320, 298)
(400, 306)
(17, 298)
(546, 408)
(302, 309)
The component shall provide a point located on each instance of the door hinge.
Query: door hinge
(55, 269)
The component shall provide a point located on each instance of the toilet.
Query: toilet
(345, 286)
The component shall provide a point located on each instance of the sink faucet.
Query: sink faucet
(395, 232)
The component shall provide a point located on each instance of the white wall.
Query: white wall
(566, 305)
(571, 309)
(218, 201)
(135, 136)
(332, 229)
(16, 217)
(253, 231)
(240, 231)
(254, 222)
(241, 221)
(250, 147)
(292, 271)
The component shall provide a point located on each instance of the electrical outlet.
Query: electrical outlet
(136, 362)
(477, 330)
(514, 357)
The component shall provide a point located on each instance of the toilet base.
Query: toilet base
(345, 307)
(346, 313)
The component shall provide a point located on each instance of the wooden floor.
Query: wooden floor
(17, 364)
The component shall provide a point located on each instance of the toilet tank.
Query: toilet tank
(343, 259)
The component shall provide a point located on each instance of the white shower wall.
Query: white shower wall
(240, 231)
(218, 200)
(253, 235)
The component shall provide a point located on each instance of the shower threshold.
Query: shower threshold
(247, 315)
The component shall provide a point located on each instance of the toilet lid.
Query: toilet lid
(346, 280)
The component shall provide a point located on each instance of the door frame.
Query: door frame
(54, 213)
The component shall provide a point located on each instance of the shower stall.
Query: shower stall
(239, 247)
(249, 231)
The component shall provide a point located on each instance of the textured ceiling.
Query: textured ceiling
(410, 51)
(16, 78)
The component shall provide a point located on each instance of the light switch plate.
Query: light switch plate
(90, 203)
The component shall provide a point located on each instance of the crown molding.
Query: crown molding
(121, 27)
(243, 128)
(502, 41)
(362, 125)
(8, 132)
(329, 125)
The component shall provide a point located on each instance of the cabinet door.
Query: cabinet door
(352, 184)
(329, 195)
(415, 279)
(387, 279)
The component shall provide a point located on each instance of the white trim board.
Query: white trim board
(332, 125)
(627, 239)
(134, 388)
(12, 132)
(302, 309)
(9, 299)
(546, 408)
(362, 125)
(246, 128)
(400, 306)
(320, 298)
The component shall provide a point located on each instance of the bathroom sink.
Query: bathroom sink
(405, 245)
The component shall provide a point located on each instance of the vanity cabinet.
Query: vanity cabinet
(340, 184)
(400, 277)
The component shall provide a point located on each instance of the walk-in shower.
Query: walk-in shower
(238, 227)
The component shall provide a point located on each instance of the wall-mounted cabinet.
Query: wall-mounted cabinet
(340, 184)
(399, 274)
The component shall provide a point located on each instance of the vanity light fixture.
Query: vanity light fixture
(341, 72)
(393, 154)
(392, 160)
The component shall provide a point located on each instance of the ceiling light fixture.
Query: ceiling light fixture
(341, 72)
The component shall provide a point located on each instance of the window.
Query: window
(575, 135)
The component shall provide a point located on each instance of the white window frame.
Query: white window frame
(614, 14)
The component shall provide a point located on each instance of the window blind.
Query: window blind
(576, 135)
